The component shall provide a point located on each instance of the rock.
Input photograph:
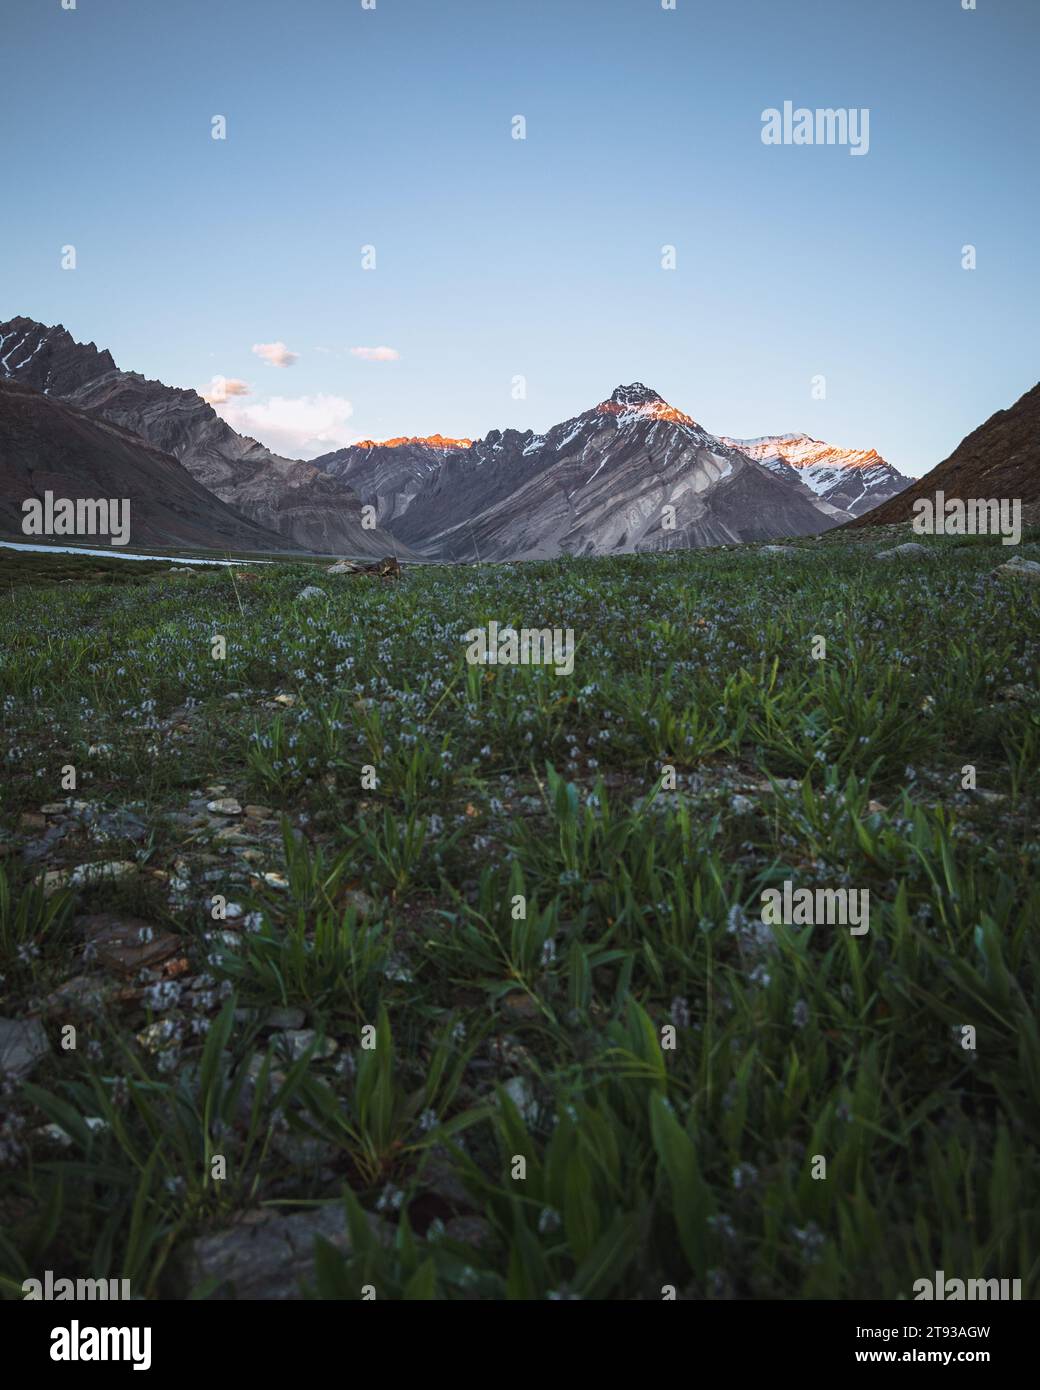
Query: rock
(86, 993)
(259, 812)
(267, 1256)
(294, 1042)
(54, 808)
(32, 820)
(232, 835)
(303, 1150)
(54, 1134)
(311, 591)
(41, 847)
(23, 1043)
(128, 944)
(158, 1035)
(287, 700)
(909, 551)
(521, 1006)
(469, 1230)
(360, 902)
(119, 824)
(285, 1018)
(277, 881)
(441, 1177)
(85, 875)
(777, 550)
(275, 1081)
(519, 1091)
(387, 568)
(1018, 568)
(224, 806)
(1016, 693)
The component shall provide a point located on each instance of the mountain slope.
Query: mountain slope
(307, 507)
(48, 359)
(388, 475)
(1001, 459)
(599, 483)
(855, 480)
(46, 444)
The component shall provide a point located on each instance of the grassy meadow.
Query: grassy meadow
(491, 974)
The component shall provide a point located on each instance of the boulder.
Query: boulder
(23, 1043)
(910, 551)
(267, 1256)
(1018, 568)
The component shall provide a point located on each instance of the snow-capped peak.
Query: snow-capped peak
(639, 402)
(802, 451)
(854, 479)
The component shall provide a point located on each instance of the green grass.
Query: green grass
(492, 944)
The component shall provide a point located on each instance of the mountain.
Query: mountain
(389, 474)
(596, 484)
(308, 507)
(1001, 459)
(49, 445)
(48, 359)
(854, 480)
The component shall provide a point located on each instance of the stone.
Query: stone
(778, 550)
(268, 1256)
(118, 824)
(1018, 568)
(129, 944)
(86, 993)
(469, 1230)
(23, 1043)
(311, 591)
(259, 812)
(86, 875)
(285, 1018)
(909, 551)
(224, 806)
(294, 1042)
(359, 902)
(519, 1091)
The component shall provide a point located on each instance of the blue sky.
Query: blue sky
(539, 258)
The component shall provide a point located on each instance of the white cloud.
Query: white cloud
(221, 387)
(376, 354)
(296, 426)
(275, 354)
